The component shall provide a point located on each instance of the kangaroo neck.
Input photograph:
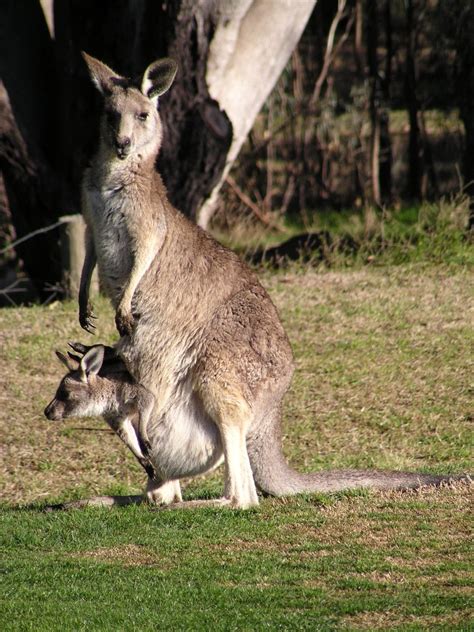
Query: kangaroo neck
(134, 170)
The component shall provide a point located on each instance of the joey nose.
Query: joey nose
(51, 413)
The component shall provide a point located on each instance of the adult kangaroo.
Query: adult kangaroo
(198, 329)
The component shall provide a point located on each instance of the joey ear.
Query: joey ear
(102, 76)
(92, 361)
(158, 77)
(68, 362)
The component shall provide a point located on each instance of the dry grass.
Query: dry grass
(384, 363)
(126, 555)
(384, 366)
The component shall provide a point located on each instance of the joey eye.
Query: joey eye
(142, 116)
(63, 395)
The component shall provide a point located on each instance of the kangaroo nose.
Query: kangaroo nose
(122, 142)
(122, 145)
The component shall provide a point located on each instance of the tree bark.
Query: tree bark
(380, 142)
(415, 157)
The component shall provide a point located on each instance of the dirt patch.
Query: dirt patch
(390, 619)
(126, 555)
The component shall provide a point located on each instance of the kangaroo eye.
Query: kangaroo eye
(142, 116)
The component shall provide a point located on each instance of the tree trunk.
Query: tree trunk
(374, 101)
(358, 35)
(415, 158)
(27, 141)
(230, 55)
(385, 139)
(380, 145)
(245, 61)
(455, 20)
(465, 81)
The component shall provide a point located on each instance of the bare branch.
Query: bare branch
(39, 231)
(243, 197)
(331, 50)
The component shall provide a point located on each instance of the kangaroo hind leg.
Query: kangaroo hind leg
(233, 415)
(239, 487)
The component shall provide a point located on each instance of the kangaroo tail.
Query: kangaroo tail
(274, 476)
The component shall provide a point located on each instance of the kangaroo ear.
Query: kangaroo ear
(69, 363)
(92, 361)
(103, 77)
(158, 77)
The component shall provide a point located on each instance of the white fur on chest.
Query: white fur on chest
(109, 207)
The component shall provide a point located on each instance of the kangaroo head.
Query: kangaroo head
(81, 391)
(130, 123)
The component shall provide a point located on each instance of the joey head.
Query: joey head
(89, 390)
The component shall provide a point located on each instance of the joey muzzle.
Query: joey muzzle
(53, 411)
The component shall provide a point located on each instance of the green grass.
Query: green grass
(431, 233)
(289, 565)
(384, 379)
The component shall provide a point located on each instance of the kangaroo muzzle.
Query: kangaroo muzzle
(122, 147)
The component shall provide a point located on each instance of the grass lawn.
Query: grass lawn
(384, 379)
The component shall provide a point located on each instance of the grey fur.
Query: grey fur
(198, 329)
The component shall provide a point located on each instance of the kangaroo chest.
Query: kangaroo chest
(110, 208)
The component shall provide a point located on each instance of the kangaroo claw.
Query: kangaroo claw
(86, 316)
(78, 347)
(89, 328)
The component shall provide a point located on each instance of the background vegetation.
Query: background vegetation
(373, 113)
(371, 110)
